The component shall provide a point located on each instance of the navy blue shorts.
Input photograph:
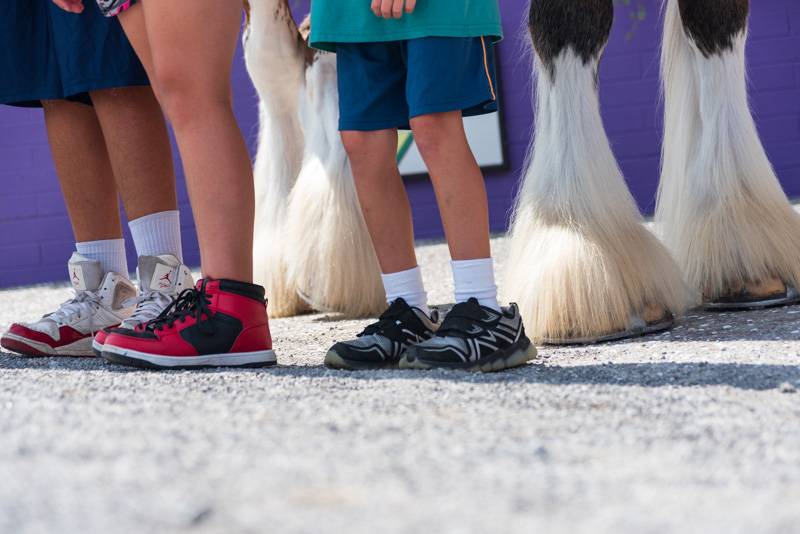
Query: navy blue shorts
(49, 54)
(383, 85)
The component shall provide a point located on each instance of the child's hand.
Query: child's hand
(73, 6)
(388, 9)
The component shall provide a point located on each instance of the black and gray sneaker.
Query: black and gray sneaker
(474, 338)
(383, 343)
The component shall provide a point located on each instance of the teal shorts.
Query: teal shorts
(384, 85)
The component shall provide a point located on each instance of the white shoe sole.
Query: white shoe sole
(79, 349)
(135, 358)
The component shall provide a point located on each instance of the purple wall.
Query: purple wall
(35, 236)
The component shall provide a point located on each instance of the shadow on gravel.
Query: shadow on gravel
(655, 375)
(774, 324)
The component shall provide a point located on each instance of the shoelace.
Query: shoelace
(82, 301)
(190, 303)
(148, 306)
(386, 325)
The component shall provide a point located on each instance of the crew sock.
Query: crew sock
(157, 234)
(109, 252)
(475, 279)
(408, 286)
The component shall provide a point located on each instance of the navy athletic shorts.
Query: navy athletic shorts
(384, 85)
(49, 54)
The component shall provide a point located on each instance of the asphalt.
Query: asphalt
(694, 430)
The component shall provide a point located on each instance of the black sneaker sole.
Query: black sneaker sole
(334, 360)
(515, 355)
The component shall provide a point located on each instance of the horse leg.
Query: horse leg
(331, 262)
(275, 57)
(721, 208)
(582, 265)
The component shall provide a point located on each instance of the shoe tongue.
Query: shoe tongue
(398, 307)
(84, 273)
(471, 307)
(159, 273)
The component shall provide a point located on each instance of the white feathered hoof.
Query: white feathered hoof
(276, 61)
(582, 265)
(579, 287)
(721, 208)
(271, 272)
(331, 260)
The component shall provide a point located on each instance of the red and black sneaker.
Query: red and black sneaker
(218, 323)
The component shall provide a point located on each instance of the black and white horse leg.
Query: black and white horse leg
(721, 208)
(583, 267)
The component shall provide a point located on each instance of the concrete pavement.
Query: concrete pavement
(695, 430)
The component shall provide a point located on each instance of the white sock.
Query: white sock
(475, 279)
(109, 252)
(157, 234)
(408, 286)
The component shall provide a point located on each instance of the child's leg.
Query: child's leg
(461, 195)
(384, 203)
(192, 52)
(458, 182)
(84, 170)
(383, 198)
(140, 154)
(86, 178)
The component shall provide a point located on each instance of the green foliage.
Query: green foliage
(637, 13)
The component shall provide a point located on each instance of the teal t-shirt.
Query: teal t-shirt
(352, 21)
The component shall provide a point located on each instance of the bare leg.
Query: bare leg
(458, 181)
(133, 23)
(139, 149)
(383, 197)
(84, 170)
(192, 54)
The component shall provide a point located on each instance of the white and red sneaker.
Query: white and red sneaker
(101, 300)
(161, 280)
(219, 323)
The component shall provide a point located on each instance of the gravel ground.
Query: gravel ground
(696, 430)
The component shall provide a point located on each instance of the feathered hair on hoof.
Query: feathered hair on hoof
(720, 208)
(582, 266)
(331, 261)
(312, 250)
(275, 58)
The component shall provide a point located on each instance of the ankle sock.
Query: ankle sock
(157, 234)
(408, 286)
(475, 279)
(109, 252)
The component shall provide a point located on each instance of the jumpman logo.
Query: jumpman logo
(165, 280)
(75, 277)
